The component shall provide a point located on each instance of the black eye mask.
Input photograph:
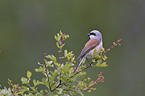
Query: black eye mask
(93, 34)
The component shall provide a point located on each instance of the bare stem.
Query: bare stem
(60, 59)
(61, 56)
(114, 44)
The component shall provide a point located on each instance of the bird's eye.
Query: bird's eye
(93, 34)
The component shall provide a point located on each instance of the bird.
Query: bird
(95, 42)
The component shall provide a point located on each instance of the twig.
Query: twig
(60, 42)
(114, 44)
(56, 87)
(99, 79)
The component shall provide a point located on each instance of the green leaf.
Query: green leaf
(85, 79)
(29, 74)
(34, 89)
(52, 79)
(59, 90)
(89, 91)
(53, 85)
(66, 36)
(60, 33)
(64, 78)
(80, 92)
(5, 92)
(24, 89)
(58, 65)
(104, 58)
(69, 55)
(48, 63)
(34, 82)
(89, 79)
(24, 80)
(53, 75)
(56, 38)
(94, 52)
(65, 53)
(101, 50)
(41, 69)
(100, 64)
(104, 64)
(52, 57)
(57, 45)
(62, 45)
(45, 80)
(96, 57)
(82, 84)
(72, 60)
(93, 88)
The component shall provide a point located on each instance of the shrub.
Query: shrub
(58, 74)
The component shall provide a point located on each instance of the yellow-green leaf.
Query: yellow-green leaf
(65, 53)
(34, 89)
(57, 45)
(24, 80)
(62, 45)
(56, 38)
(95, 52)
(72, 60)
(29, 74)
(66, 36)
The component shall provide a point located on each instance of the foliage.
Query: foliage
(58, 74)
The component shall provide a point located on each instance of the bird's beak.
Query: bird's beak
(88, 34)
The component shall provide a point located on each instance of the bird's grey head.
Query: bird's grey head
(95, 35)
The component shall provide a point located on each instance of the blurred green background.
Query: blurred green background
(27, 30)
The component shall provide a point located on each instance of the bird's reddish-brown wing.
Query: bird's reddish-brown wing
(91, 44)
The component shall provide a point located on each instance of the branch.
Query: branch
(114, 44)
(99, 79)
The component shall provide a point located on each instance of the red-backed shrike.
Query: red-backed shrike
(95, 42)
